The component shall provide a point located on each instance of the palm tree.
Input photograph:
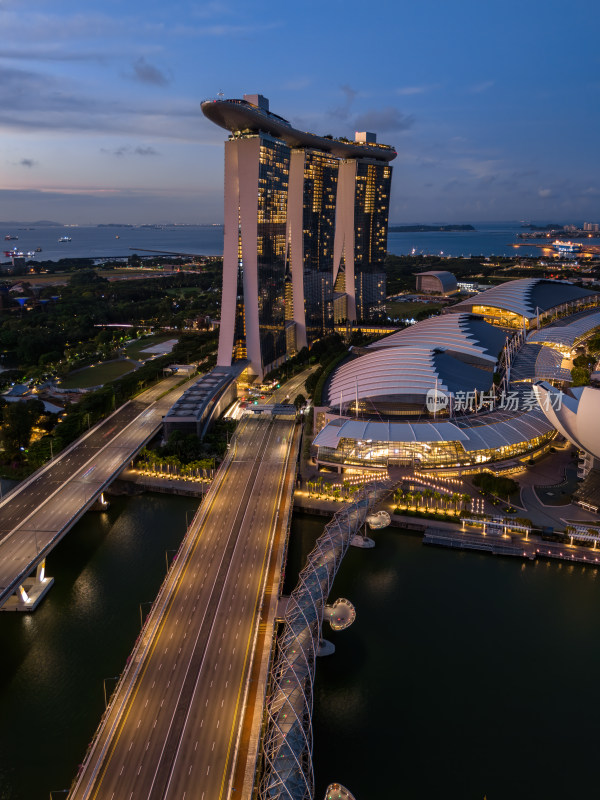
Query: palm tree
(436, 498)
(427, 494)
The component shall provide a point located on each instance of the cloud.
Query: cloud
(58, 28)
(407, 91)
(297, 85)
(426, 162)
(33, 102)
(545, 193)
(24, 90)
(145, 151)
(478, 88)
(479, 168)
(223, 30)
(148, 73)
(51, 54)
(210, 9)
(385, 120)
(27, 162)
(343, 111)
(127, 150)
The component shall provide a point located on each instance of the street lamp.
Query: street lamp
(116, 678)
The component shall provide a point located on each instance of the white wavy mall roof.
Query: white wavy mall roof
(462, 333)
(409, 372)
(499, 430)
(524, 296)
(566, 335)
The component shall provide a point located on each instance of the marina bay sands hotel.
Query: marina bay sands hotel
(306, 221)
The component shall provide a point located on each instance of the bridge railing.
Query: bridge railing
(84, 781)
(287, 743)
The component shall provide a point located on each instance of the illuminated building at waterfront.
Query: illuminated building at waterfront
(457, 391)
(306, 221)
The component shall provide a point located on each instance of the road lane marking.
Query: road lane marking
(131, 693)
(256, 616)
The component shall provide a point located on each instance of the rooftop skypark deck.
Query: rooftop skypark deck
(240, 116)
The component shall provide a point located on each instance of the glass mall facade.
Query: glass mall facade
(426, 455)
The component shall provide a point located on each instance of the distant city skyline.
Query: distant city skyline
(492, 107)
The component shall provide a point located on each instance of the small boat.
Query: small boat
(117, 236)
(64, 239)
(38, 249)
(9, 238)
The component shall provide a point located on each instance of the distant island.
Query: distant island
(40, 223)
(428, 228)
(552, 226)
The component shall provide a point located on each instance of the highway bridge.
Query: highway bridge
(183, 720)
(36, 515)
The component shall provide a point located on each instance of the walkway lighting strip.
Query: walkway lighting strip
(288, 741)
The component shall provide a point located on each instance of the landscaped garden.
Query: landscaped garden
(97, 374)
(137, 348)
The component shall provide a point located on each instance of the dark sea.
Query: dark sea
(489, 239)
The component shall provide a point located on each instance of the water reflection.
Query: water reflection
(452, 667)
(54, 661)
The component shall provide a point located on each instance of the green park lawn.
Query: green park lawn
(134, 349)
(96, 376)
(409, 310)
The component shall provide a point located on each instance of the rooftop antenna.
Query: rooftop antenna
(220, 94)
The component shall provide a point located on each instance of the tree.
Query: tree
(85, 277)
(580, 376)
(17, 421)
(299, 401)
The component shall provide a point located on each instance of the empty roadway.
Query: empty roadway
(35, 516)
(172, 727)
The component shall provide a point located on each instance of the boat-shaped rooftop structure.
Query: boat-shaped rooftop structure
(242, 116)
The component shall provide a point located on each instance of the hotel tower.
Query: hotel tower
(306, 220)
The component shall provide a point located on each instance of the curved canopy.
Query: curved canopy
(457, 333)
(525, 296)
(404, 374)
(500, 430)
(566, 335)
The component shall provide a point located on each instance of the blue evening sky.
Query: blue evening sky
(493, 106)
